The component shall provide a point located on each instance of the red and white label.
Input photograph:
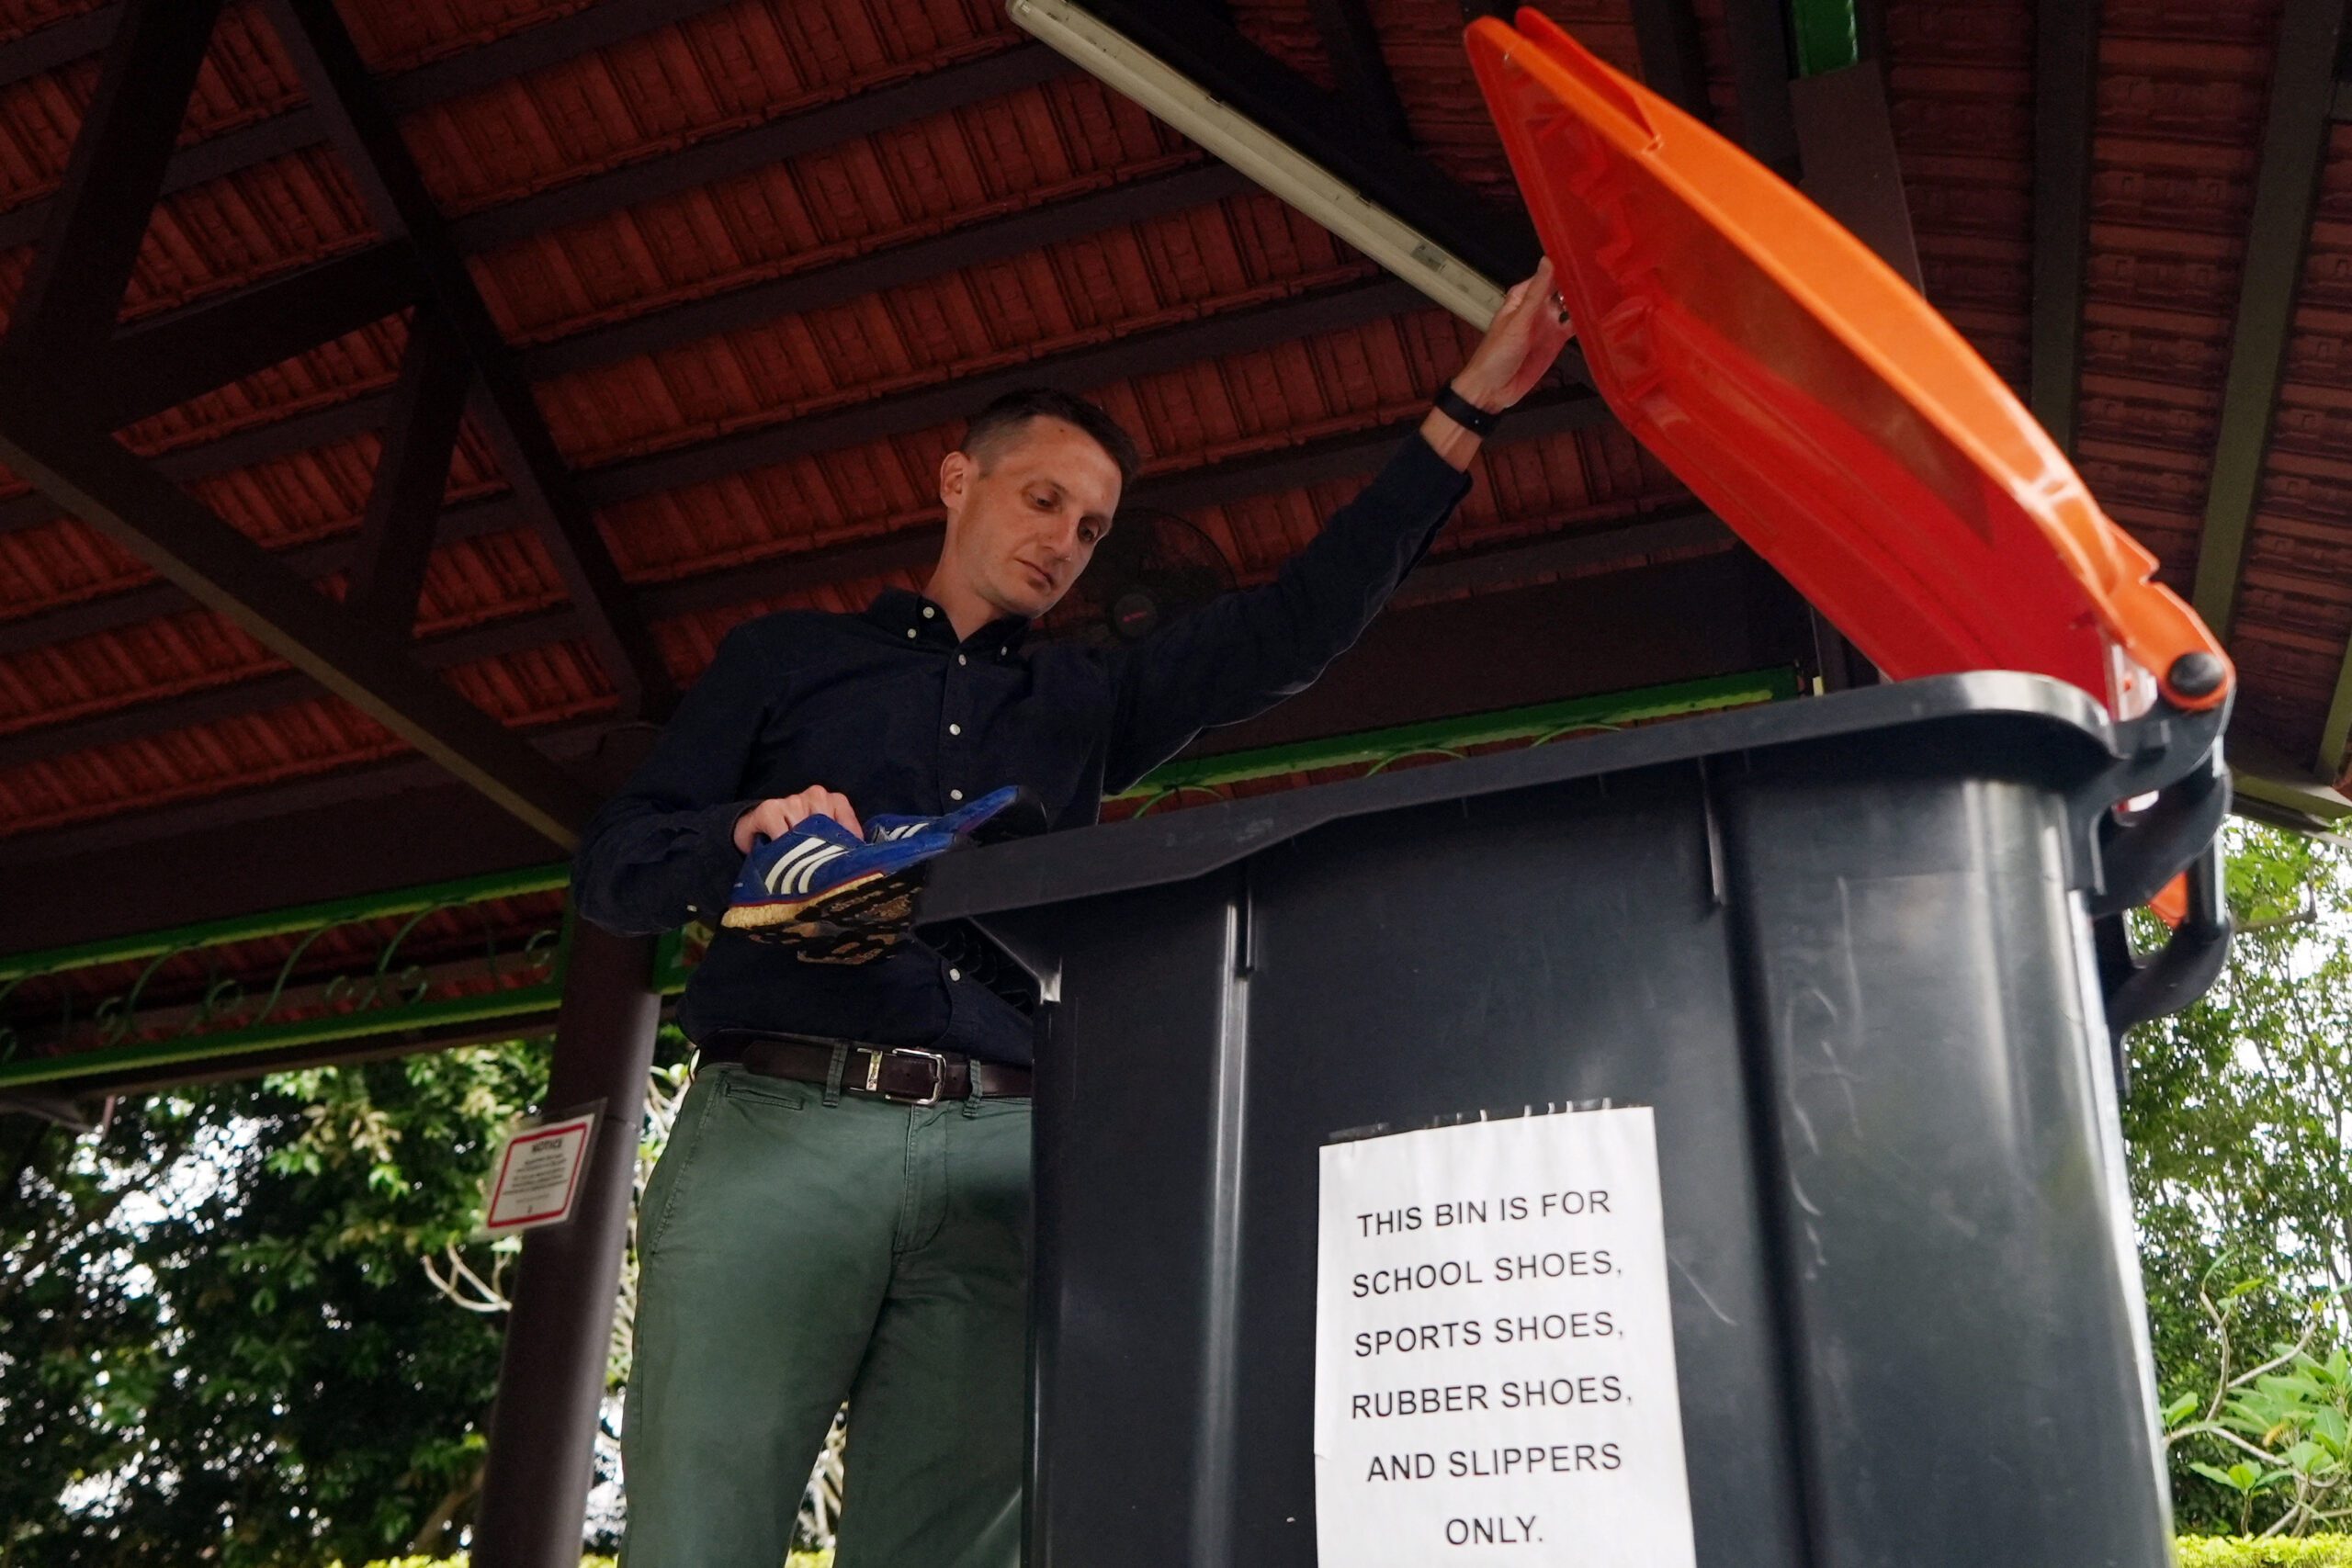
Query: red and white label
(538, 1174)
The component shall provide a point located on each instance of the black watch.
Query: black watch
(1464, 413)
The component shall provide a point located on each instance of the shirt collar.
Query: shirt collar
(899, 611)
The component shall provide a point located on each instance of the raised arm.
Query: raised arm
(662, 850)
(1243, 652)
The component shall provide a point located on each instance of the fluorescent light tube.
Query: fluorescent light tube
(1121, 63)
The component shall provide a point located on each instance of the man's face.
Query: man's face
(1023, 523)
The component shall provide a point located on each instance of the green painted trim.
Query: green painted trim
(1826, 35)
(1442, 734)
(1476, 729)
(279, 922)
(518, 1002)
(2313, 800)
(1451, 736)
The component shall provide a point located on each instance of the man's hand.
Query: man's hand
(1526, 335)
(774, 819)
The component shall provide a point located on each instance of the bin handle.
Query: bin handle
(2186, 965)
(2176, 755)
(2140, 858)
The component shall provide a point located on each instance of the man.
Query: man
(842, 1210)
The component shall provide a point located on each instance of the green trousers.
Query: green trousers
(794, 1254)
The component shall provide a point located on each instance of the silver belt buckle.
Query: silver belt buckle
(938, 1076)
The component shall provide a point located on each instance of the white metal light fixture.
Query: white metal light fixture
(1125, 66)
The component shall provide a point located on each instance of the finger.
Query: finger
(837, 807)
(762, 821)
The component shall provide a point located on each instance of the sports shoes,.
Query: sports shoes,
(1008, 813)
(823, 888)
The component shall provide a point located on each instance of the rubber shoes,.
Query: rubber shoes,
(821, 880)
(1008, 813)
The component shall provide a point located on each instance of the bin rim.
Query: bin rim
(2073, 736)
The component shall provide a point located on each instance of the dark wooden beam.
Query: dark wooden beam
(94, 478)
(1846, 138)
(1331, 460)
(1014, 234)
(1674, 59)
(1353, 44)
(1761, 66)
(1393, 176)
(396, 533)
(652, 334)
(2066, 99)
(363, 127)
(1673, 620)
(2294, 144)
(759, 147)
(532, 49)
(1143, 353)
(996, 238)
(256, 444)
(353, 793)
(161, 364)
(66, 308)
(43, 49)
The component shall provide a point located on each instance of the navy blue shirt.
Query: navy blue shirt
(890, 709)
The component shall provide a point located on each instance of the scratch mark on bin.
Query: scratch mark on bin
(1804, 1125)
(1796, 1189)
(1701, 1291)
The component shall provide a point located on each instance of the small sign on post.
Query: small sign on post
(538, 1174)
(1494, 1364)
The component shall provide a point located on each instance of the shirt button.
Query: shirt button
(961, 660)
(928, 612)
(911, 631)
(954, 973)
(954, 795)
(955, 730)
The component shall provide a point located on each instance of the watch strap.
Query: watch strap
(1464, 413)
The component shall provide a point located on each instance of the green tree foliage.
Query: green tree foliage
(217, 1342)
(2239, 1123)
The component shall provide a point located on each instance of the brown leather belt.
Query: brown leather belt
(902, 1075)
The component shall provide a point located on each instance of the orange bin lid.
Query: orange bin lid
(1808, 395)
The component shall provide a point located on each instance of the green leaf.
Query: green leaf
(2215, 1474)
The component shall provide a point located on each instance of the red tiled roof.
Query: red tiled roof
(524, 167)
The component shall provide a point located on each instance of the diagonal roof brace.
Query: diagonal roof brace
(352, 105)
(2294, 145)
(95, 478)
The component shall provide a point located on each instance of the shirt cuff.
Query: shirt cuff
(1416, 478)
(716, 861)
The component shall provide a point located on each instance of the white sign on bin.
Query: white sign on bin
(1494, 1364)
(537, 1174)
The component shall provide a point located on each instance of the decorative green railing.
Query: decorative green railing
(403, 963)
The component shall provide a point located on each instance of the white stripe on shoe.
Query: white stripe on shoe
(796, 869)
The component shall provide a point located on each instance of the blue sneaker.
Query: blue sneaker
(1008, 813)
(821, 885)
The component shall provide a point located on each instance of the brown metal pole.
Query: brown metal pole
(551, 1377)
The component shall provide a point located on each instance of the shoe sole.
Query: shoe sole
(856, 922)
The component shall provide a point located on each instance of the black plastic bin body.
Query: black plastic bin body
(1840, 947)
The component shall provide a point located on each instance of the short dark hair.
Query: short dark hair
(1015, 409)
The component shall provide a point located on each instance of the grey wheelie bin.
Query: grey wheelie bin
(1849, 950)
